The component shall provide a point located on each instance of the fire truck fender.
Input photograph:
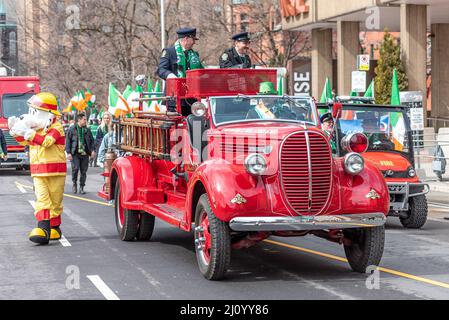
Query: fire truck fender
(365, 192)
(132, 173)
(231, 189)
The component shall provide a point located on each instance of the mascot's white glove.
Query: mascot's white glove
(19, 129)
(12, 121)
(29, 134)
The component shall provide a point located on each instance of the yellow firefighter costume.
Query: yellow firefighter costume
(45, 137)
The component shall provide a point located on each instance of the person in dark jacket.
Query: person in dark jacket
(176, 60)
(237, 56)
(3, 147)
(80, 146)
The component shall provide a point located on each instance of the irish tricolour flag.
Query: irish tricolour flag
(118, 105)
(397, 123)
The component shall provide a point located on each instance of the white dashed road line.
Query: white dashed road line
(103, 288)
(22, 189)
(65, 242)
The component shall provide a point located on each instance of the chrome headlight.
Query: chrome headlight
(256, 164)
(354, 163)
(411, 173)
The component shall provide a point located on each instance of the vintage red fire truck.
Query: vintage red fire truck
(14, 94)
(242, 167)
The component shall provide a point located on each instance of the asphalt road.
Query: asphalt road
(92, 263)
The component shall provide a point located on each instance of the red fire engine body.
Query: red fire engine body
(14, 94)
(236, 177)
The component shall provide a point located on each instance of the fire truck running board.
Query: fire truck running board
(168, 213)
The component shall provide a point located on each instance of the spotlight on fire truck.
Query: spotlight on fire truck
(199, 109)
(355, 142)
(354, 163)
(256, 164)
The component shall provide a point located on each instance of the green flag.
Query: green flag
(280, 86)
(395, 96)
(150, 85)
(326, 96)
(370, 92)
(157, 87)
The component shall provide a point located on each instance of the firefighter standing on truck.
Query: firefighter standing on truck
(44, 135)
(237, 56)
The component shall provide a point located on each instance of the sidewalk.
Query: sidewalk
(438, 186)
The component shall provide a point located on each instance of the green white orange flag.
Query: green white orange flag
(397, 123)
(133, 95)
(326, 96)
(156, 106)
(118, 105)
(370, 91)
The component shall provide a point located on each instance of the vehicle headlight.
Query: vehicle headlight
(354, 163)
(411, 173)
(256, 164)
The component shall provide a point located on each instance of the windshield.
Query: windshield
(15, 104)
(386, 130)
(262, 108)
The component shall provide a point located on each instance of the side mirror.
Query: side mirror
(140, 80)
(337, 110)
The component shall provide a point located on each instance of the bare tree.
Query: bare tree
(114, 40)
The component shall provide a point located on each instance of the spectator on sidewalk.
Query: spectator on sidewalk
(105, 127)
(79, 148)
(3, 147)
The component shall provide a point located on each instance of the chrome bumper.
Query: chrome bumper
(404, 189)
(304, 223)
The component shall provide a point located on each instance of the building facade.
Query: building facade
(417, 23)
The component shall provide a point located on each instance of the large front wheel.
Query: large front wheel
(212, 241)
(366, 248)
(127, 221)
(417, 215)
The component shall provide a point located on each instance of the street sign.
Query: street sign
(414, 101)
(358, 81)
(417, 119)
(363, 62)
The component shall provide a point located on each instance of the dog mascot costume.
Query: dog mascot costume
(40, 130)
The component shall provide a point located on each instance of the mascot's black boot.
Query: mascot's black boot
(55, 233)
(41, 235)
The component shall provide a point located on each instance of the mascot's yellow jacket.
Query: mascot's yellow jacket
(48, 169)
(47, 155)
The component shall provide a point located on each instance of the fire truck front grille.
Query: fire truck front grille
(306, 172)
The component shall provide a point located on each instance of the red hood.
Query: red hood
(387, 161)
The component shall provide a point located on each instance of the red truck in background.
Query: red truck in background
(14, 94)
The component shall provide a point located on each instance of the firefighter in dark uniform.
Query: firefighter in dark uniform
(237, 56)
(176, 60)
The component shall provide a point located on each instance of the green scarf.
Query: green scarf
(192, 57)
(81, 147)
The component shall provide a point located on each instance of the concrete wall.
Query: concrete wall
(322, 10)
